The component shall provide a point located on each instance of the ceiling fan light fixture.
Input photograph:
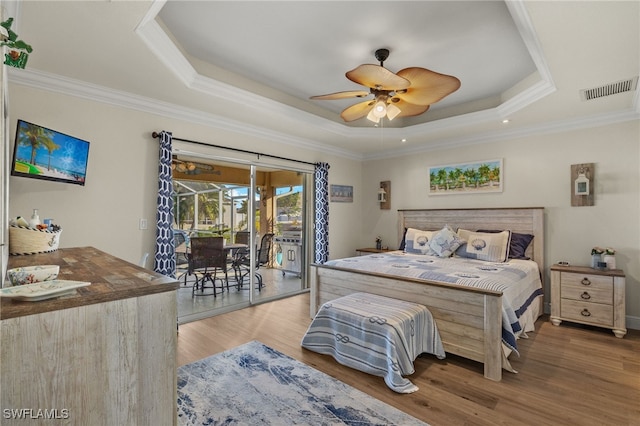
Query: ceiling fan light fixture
(392, 111)
(380, 109)
(372, 117)
(413, 88)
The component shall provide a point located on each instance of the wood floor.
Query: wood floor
(568, 375)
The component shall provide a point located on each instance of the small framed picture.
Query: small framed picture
(341, 193)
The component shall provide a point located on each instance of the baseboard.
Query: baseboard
(633, 322)
(209, 313)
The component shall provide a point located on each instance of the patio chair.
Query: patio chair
(208, 258)
(242, 262)
(242, 237)
(182, 254)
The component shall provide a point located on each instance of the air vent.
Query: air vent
(609, 89)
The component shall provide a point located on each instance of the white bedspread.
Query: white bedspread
(518, 280)
(375, 334)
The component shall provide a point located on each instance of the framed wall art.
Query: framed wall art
(466, 178)
(341, 193)
(582, 184)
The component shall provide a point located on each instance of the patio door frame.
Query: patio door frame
(307, 207)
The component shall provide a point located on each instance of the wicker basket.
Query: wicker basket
(23, 240)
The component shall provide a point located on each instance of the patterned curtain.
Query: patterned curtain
(165, 260)
(322, 212)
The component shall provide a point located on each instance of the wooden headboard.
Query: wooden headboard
(525, 220)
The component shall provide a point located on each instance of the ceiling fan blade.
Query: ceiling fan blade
(427, 87)
(377, 77)
(408, 109)
(342, 95)
(356, 111)
(204, 166)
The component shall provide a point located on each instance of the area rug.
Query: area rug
(254, 384)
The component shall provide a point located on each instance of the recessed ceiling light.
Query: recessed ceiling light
(403, 140)
(505, 121)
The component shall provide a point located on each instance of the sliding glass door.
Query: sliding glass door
(264, 206)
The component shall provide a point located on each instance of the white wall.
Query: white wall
(536, 174)
(121, 184)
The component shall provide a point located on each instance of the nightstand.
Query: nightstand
(588, 296)
(370, 250)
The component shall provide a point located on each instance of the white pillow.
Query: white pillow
(492, 247)
(417, 241)
(445, 242)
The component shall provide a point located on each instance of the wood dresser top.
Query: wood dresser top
(111, 279)
(588, 270)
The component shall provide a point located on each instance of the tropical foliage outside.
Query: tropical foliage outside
(288, 211)
(289, 206)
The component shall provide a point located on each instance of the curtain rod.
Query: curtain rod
(259, 154)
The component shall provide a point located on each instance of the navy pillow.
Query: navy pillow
(404, 240)
(518, 246)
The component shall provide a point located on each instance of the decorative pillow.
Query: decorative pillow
(417, 241)
(445, 242)
(404, 240)
(518, 246)
(492, 247)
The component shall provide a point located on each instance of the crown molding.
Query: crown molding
(170, 55)
(522, 20)
(80, 89)
(162, 47)
(596, 120)
(66, 86)
(525, 98)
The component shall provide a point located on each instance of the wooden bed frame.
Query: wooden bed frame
(469, 320)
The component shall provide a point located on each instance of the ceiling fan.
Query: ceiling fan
(192, 167)
(406, 93)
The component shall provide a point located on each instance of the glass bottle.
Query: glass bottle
(35, 219)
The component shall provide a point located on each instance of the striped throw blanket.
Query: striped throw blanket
(375, 334)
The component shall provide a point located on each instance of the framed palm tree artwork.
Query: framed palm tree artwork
(466, 178)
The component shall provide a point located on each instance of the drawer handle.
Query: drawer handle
(585, 313)
(585, 281)
(585, 296)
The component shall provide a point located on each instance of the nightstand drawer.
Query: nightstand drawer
(587, 281)
(588, 294)
(593, 313)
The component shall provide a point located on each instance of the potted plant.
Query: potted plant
(609, 258)
(596, 256)
(17, 51)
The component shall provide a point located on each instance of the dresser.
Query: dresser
(588, 296)
(104, 355)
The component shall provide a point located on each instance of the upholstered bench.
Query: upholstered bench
(375, 334)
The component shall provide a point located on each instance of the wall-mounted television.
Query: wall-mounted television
(47, 154)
